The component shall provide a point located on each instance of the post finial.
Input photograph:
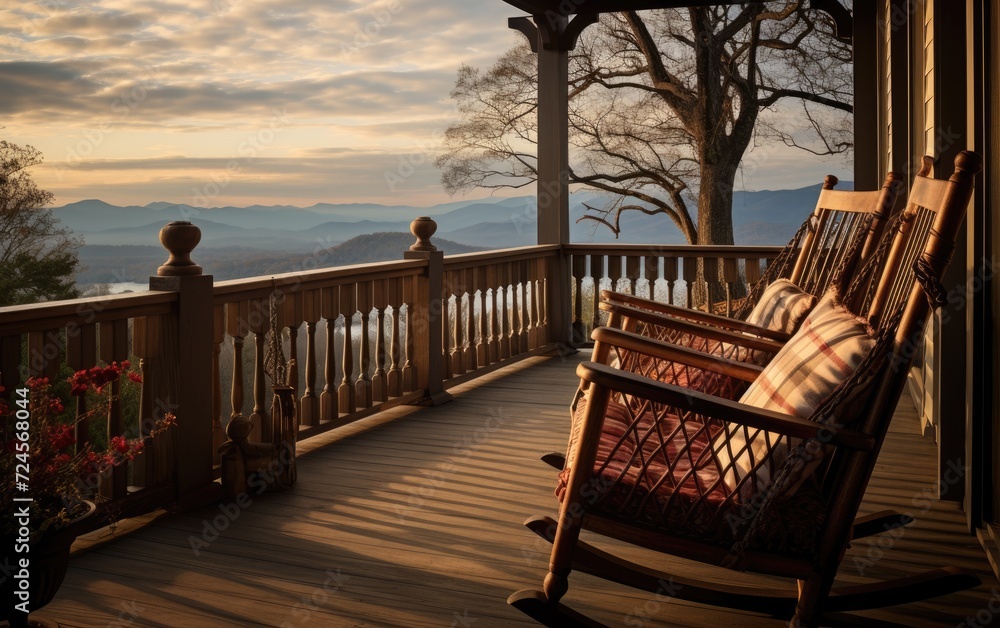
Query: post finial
(179, 238)
(830, 182)
(423, 228)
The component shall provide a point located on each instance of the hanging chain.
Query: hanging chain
(275, 365)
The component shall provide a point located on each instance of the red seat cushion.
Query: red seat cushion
(659, 471)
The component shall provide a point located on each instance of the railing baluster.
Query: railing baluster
(236, 328)
(81, 353)
(469, 348)
(711, 275)
(290, 316)
(381, 300)
(157, 462)
(456, 357)
(529, 307)
(632, 271)
(579, 266)
(538, 304)
(651, 272)
(114, 348)
(690, 276)
(364, 384)
(449, 335)
(331, 312)
(348, 307)
(730, 274)
(534, 336)
(615, 270)
(409, 295)
(482, 342)
(670, 276)
(596, 273)
(494, 342)
(309, 413)
(524, 340)
(751, 267)
(504, 337)
(394, 376)
(259, 415)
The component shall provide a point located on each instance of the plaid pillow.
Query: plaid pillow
(813, 363)
(782, 307)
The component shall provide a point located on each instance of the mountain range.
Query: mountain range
(281, 232)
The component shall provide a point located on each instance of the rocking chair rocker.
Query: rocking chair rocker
(770, 484)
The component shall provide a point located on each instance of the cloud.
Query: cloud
(334, 174)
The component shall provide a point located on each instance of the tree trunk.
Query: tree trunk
(715, 224)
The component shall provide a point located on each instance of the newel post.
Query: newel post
(427, 334)
(182, 372)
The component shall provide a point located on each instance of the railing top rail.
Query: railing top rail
(18, 319)
(675, 250)
(466, 260)
(259, 287)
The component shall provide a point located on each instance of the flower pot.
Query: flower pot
(48, 562)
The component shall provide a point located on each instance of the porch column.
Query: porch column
(552, 36)
(867, 174)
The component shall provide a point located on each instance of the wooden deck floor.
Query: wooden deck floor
(417, 522)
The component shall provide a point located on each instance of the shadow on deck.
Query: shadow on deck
(417, 522)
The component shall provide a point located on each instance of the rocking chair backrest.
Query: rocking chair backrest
(841, 218)
(921, 250)
(840, 234)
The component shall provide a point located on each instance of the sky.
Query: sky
(241, 102)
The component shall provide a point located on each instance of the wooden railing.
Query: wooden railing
(665, 273)
(495, 308)
(349, 331)
(53, 339)
(359, 339)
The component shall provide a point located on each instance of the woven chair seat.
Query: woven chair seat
(657, 470)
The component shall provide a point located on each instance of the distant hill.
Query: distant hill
(122, 242)
(118, 264)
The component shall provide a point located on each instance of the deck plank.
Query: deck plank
(416, 521)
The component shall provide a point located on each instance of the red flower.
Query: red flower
(62, 437)
(135, 377)
(35, 383)
(120, 444)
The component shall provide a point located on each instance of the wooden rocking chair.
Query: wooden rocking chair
(829, 249)
(838, 243)
(745, 486)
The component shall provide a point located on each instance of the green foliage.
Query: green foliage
(28, 279)
(38, 257)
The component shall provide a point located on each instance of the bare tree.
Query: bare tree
(38, 258)
(663, 106)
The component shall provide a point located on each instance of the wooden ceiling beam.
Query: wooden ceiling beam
(841, 16)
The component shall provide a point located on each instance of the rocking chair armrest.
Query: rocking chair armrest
(668, 351)
(719, 408)
(706, 318)
(695, 329)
